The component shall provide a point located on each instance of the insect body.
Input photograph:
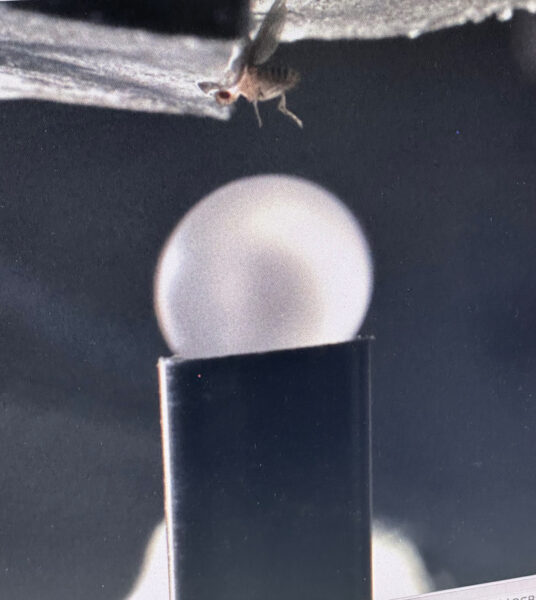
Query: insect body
(253, 76)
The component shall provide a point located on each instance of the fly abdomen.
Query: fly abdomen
(282, 75)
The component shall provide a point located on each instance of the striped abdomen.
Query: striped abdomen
(281, 74)
(276, 79)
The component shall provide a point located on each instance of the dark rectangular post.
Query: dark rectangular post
(267, 474)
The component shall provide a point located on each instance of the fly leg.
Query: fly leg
(256, 107)
(282, 107)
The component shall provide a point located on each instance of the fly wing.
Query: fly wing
(265, 42)
(237, 62)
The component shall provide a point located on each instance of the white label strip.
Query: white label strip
(522, 588)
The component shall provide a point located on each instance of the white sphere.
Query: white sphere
(263, 263)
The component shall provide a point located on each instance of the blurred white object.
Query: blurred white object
(263, 263)
(398, 568)
(152, 582)
(66, 60)
(114, 67)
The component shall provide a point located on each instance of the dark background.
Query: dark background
(214, 18)
(432, 143)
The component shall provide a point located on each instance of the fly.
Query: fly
(252, 76)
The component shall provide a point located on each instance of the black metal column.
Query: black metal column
(267, 474)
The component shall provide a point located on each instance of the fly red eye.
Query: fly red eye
(224, 95)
